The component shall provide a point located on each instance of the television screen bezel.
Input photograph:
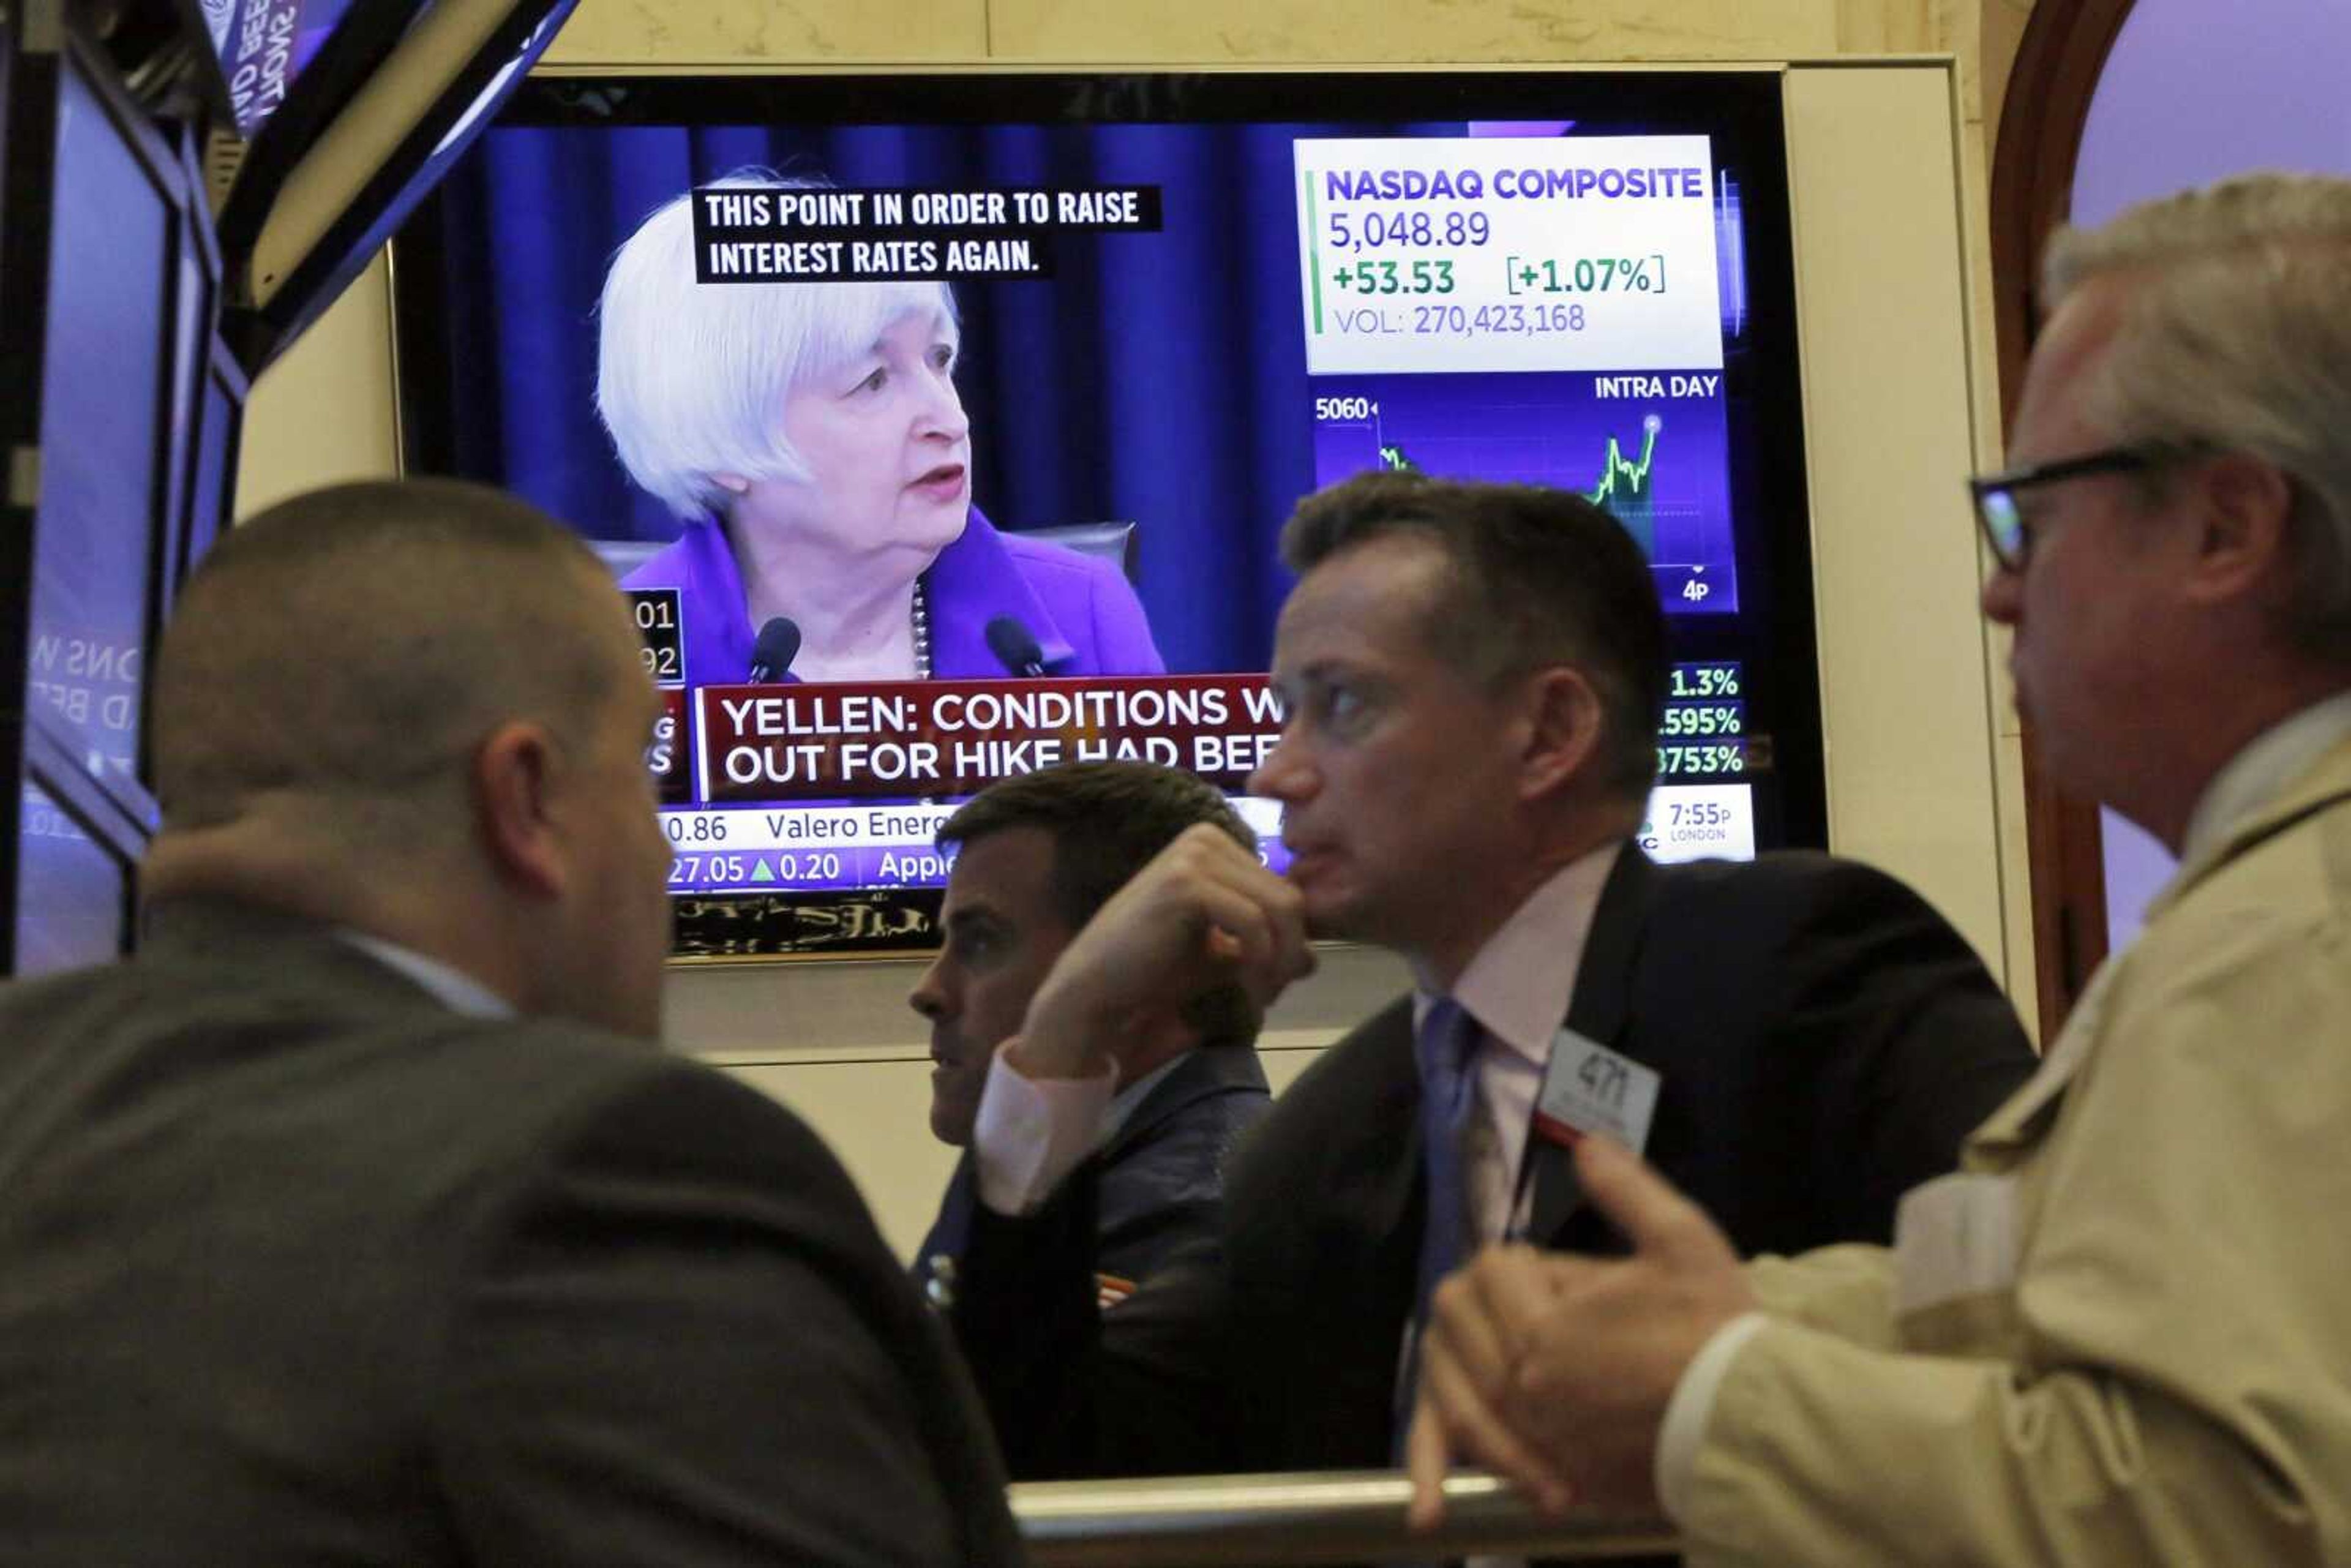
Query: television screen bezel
(1743, 100)
(118, 814)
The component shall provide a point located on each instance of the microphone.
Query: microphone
(1014, 646)
(779, 645)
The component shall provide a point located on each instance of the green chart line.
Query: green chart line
(1636, 476)
(1313, 251)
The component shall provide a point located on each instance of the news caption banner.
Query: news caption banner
(746, 233)
(1537, 310)
(824, 788)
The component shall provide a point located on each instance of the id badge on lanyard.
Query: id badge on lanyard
(1586, 1089)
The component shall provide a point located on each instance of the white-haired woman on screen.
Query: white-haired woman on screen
(811, 435)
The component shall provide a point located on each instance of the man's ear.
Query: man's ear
(1565, 725)
(733, 484)
(2243, 518)
(515, 777)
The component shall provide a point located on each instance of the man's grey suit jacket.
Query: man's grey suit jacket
(301, 1266)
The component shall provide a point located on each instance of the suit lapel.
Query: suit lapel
(1391, 1190)
(1598, 1010)
(1604, 976)
(952, 1228)
(1324, 1214)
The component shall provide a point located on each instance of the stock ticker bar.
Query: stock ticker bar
(894, 739)
(830, 788)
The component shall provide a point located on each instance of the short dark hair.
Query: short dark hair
(1537, 576)
(348, 642)
(1106, 820)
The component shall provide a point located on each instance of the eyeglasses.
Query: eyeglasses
(2002, 520)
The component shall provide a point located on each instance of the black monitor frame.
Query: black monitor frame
(117, 815)
(1746, 102)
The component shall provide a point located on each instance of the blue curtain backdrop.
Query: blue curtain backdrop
(1159, 377)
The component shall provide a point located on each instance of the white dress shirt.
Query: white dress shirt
(1032, 1132)
(451, 986)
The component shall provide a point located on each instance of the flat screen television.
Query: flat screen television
(109, 281)
(135, 324)
(1181, 300)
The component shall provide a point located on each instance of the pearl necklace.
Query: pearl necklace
(922, 613)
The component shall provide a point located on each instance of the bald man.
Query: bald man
(358, 1218)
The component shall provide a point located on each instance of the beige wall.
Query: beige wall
(323, 412)
(1888, 161)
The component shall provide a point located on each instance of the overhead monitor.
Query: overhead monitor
(111, 285)
(263, 46)
(1151, 310)
(355, 109)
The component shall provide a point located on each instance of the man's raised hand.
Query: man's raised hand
(1203, 912)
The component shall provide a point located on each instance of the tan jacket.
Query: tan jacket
(2125, 1324)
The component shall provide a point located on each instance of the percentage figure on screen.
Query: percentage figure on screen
(1693, 682)
(1707, 720)
(1586, 275)
(1718, 760)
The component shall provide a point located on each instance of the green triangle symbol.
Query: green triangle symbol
(762, 871)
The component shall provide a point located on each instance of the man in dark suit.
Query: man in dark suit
(1471, 676)
(1037, 855)
(359, 1218)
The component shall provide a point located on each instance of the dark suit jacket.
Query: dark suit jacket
(1825, 1040)
(1162, 1176)
(303, 1268)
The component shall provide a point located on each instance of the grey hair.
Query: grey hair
(691, 378)
(2237, 334)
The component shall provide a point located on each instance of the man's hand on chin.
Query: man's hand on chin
(1555, 1370)
(1203, 914)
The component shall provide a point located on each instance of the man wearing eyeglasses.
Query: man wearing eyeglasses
(2119, 1334)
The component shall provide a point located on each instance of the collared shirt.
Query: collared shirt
(1032, 1132)
(2262, 770)
(1517, 987)
(1130, 1095)
(449, 985)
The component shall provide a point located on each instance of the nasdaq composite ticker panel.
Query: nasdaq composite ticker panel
(1538, 309)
